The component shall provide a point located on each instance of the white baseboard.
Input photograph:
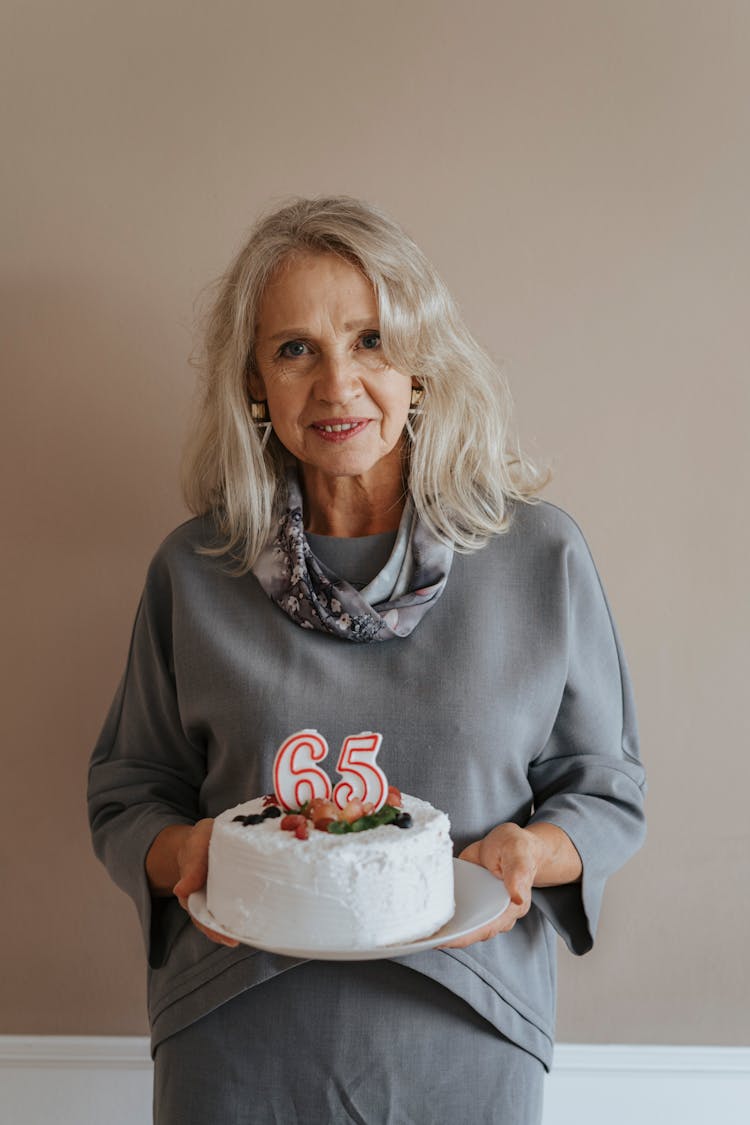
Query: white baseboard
(75, 1080)
(621, 1084)
(87, 1080)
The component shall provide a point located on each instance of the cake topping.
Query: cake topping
(291, 822)
(325, 817)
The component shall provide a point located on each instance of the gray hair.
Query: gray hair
(464, 464)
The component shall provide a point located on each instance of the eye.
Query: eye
(298, 349)
(371, 340)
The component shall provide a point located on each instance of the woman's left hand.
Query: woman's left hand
(541, 855)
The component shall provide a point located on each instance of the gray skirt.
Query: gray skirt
(334, 1043)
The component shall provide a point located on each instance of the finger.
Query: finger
(494, 850)
(507, 853)
(471, 853)
(193, 860)
(220, 939)
(212, 934)
(481, 934)
(500, 925)
(192, 879)
(518, 876)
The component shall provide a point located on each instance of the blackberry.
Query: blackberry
(403, 820)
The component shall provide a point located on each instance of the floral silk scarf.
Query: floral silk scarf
(390, 606)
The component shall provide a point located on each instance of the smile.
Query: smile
(339, 430)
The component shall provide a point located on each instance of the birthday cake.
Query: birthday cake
(328, 876)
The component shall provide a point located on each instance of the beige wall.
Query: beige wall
(579, 173)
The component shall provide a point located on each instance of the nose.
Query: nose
(337, 380)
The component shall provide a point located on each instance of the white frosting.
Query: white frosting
(361, 890)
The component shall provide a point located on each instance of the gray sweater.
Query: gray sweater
(509, 701)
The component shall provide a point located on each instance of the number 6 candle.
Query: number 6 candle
(296, 778)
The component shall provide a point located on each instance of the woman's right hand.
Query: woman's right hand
(182, 850)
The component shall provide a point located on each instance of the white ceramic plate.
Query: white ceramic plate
(480, 897)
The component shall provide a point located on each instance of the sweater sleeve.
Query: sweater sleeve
(588, 779)
(145, 773)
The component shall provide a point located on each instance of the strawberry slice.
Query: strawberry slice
(352, 811)
(301, 830)
(320, 808)
(394, 797)
(291, 822)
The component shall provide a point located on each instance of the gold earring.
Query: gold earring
(415, 408)
(262, 421)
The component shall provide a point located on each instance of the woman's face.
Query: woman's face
(334, 402)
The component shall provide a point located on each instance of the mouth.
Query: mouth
(339, 429)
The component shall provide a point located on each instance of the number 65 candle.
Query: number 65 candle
(297, 778)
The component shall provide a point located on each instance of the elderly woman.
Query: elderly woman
(367, 553)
